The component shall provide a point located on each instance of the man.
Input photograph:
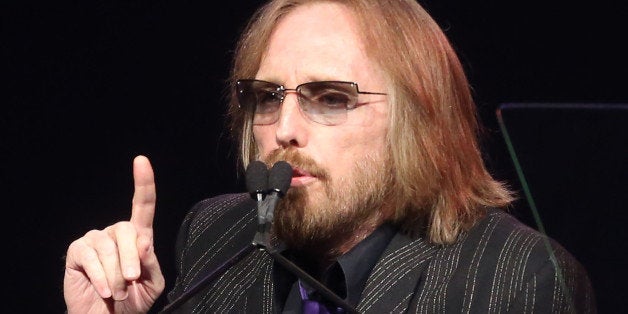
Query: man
(390, 205)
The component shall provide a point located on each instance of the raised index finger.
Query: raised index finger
(144, 197)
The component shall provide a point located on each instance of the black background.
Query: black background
(87, 85)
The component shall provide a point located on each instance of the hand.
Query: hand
(115, 270)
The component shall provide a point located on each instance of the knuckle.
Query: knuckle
(93, 234)
(120, 224)
(88, 258)
(107, 247)
(124, 229)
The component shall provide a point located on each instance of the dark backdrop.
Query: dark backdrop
(87, 85)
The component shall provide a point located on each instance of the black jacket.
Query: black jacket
(499, 266)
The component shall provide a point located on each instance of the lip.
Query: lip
(301, 177)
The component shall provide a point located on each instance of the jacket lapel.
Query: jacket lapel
(396, 276)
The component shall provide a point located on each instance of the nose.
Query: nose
(292, 127)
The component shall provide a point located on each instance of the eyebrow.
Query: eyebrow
(270, 80)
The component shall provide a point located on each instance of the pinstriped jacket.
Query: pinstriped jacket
(499, 266)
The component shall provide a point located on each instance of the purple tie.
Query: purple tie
(313, 306)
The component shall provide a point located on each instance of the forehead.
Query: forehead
(315, 42)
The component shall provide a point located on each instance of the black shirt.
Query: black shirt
(346, 277)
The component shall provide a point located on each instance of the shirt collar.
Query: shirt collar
(348, 275)
(360, 260)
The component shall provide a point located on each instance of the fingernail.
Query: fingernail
(120, 295)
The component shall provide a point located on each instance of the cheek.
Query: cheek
(264, 139)
(367, 139)
(341, 153)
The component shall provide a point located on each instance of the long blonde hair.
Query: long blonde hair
(441, 184)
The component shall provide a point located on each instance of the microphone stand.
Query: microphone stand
(208, 278)
(324, 291)
(290, 266)
(262, 242)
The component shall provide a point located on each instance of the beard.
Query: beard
(320, 221)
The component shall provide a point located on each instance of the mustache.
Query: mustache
(299, 162)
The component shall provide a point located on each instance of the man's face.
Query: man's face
(337, 169)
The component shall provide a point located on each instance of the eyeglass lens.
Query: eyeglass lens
(323, 102)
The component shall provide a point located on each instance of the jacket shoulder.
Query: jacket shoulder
(502, 264)
(213, 230)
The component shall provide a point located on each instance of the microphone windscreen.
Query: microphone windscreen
(280, 177)
(256, 178)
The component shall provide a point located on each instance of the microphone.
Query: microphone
(257, 180)
(257, 184)
(278, 182)
(279, 178)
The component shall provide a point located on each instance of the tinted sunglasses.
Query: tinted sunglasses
(324, 102)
